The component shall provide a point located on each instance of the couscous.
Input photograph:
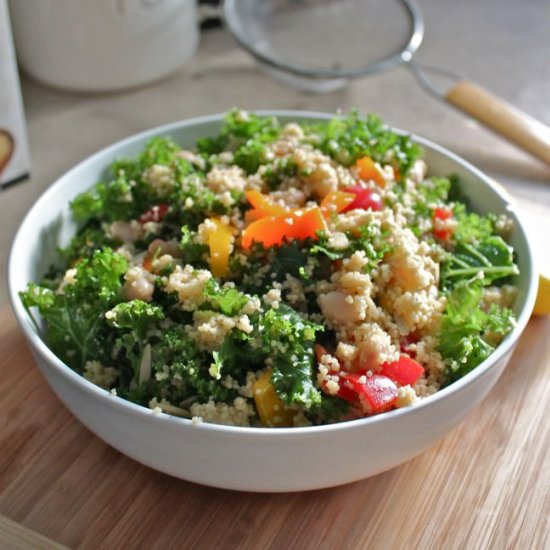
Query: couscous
(278, 275)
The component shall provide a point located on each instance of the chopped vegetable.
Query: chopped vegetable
(367, 171)
(465, 328)
(220, 242)
(336, 202)
(376, 393)
(154, 214)
(271, 410)
(262, 206)
(443, 233)
(491, 259)
(367, 199)
(405, 371)
(275, 230)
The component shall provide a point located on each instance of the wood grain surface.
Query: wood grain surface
(486, 485)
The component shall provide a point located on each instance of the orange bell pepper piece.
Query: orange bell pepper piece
(219, 242)
(335, 202)
(261, 206)
(307, 223)
(271, 410)
(367, 170)
(274, 230)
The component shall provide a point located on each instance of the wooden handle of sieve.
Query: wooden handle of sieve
(511, 123)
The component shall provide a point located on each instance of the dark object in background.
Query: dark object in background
(210, 14)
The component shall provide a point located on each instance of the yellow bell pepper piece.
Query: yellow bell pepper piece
(220, 244)
(335, 202)
(271, 410)
(262, 206)
(366, 169)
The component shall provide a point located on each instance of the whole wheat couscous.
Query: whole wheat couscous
(278, 275)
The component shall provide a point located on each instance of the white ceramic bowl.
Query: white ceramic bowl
(254, 459)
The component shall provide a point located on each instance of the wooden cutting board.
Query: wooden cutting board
(486, 485)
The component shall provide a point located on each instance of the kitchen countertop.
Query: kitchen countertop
(485, 485)
(499, 44)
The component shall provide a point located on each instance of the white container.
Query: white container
(255, 459)
(102, 45)
(14, 147)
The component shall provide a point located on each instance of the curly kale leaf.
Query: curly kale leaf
(328, 410)
(177, 358)
(228, 301)
(135, 315)
(284, 337)
(128, 195)
(466, 329)
(366, 238)
(193, 252)
(289, 338)
(431, 192)
(247, 135)
(85, 243)
(75, 317)
(194, 201)
(491, 257)
(356, 135)
(471, 227)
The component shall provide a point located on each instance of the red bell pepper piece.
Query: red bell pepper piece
(154, 214)
(344, 391)
(405, 371)
(442, 214)
(366, 199)
(376, 393)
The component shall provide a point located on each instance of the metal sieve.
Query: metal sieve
(319, 45)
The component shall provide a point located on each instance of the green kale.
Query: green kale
(76, 317)
(132, 321)
(251, 155)
(328, 410)
(289, 339)
(280, 170)
(193, 202)
(228, 301)
(471, 227)
(248, 126)
(290, 258)
(429, 193)
(465, 326)
(492, 257)
(193, 252)
(356, 135)
(135, 315)
(128, 195)
(107, 201)
(247, 135)
(435, 190)
(85, 243)
(240, 353)
(176, 358)
(284, 337)
(367, 238)
(158, 150)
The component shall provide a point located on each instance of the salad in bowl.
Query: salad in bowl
(278, 274)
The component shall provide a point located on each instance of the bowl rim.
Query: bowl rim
(39, 345)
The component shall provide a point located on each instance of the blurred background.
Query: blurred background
(156, 61)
